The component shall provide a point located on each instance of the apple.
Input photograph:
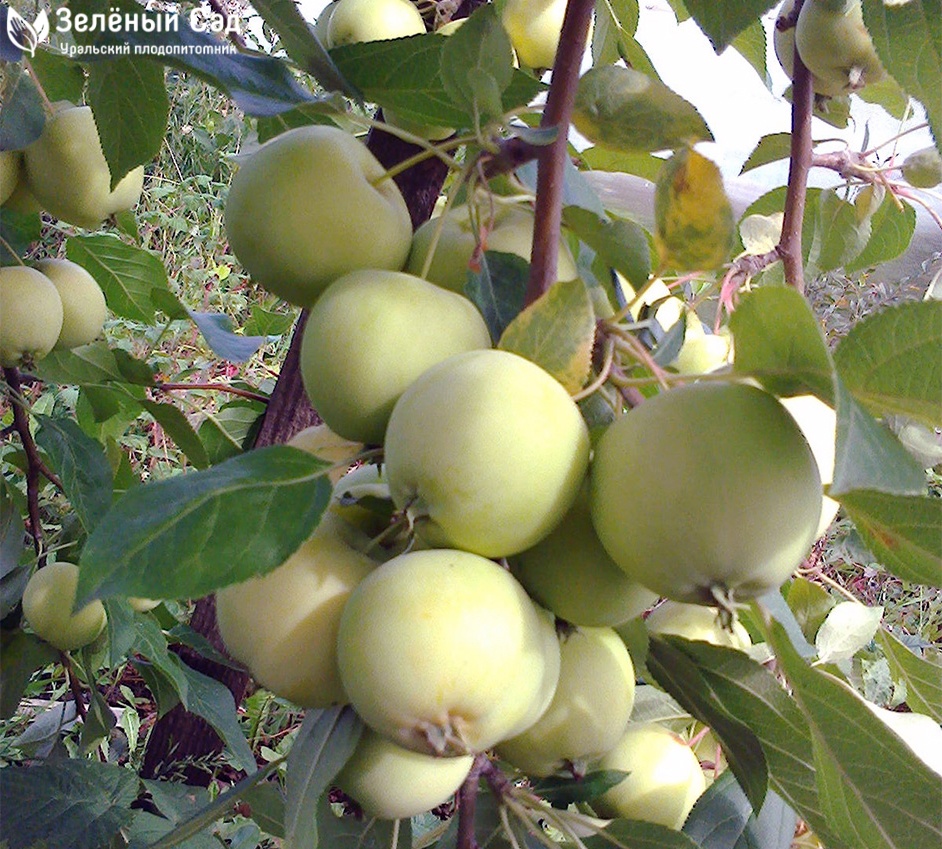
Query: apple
(783, 40)
(370, 335)
(706, 492)
(818, 423)
(390, 782)
(300, 209)
(142, 605)
(48, 602)
(696, 622)
(322, 442)
(322, 22)
(32, 315)
(923, 168)
(68, 174)
(443, 652)
(834, 44)
(701, 352)
(512, 232)
(10, 164)
(589, 711)
(83, 303)
(362, 499)
(571, 574)
(21, 199)
(283, 625)
(486, 452)
(664, 781)
(372, 20)
(668, 310)
(534, 27)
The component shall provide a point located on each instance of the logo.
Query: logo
(24, 34)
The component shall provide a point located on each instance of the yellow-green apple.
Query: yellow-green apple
(301, 205)
(10, 164)
(32, 315)
(696, 622)
(534, 27)
(372, 20)
(923, 168)
(322, 442)
(83, 303)
(48, 602)
(701, 352)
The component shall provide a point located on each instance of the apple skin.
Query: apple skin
(571, 574)
(83, 303)
(353, 21)
(783, 40)
(142, 605)
(706, 488)
(322, 442)
(923, 168)
(68, 174)
(299, 207)
(665, 780)
(47, 605)
(534, 27)
(10, 164)
(487, 452)
(589, 711)
(390, 782)
(696, 622)
(443, 652)
(701, 352)
(283, 626)
(370, 335)
(32, 315)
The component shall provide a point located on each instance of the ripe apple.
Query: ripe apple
(589, 711)
(300, 209)
(665, 778)
(370, 335)
(83, 303)
(322, 442)
(534, 27)
(283, 625)
(10, 164)
(443, 652)
(47, 605)
(487, 452)
(923, 168)
(571, 574)
(706, 491)
(834, 44)
(391, 782)
(696, 622)
(32, 315)
(372, 20)
(818, 423)
(68, 174)
(512, 232)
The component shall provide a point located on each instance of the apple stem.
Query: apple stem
(214, 387)
(74, 684)
(467, 802)
(551, 160)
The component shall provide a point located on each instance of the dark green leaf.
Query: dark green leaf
(922, 677)
(841, 232)
(85, 365)
(810, 603)
(23, 654)
(353, 832)
(227, 433)
(122, 629)
(22, 118)
(752, 45)
(891, 231)
(18, 231)
(268, 323)
(622, 245)
(771, 148)
(498, 289)
(179, 429)
(722, 22)
(638, 835)
(13, 573)
(300, 116)
(561, 792)
(217, 331)
(188, 535)
(267, 802)
(61, 78)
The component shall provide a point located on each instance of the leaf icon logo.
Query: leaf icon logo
(24, 34)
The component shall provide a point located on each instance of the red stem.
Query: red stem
(217, 387)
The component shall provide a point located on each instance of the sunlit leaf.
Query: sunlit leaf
(922, 676)
(848, 627)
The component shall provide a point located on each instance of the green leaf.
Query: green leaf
(22, 118)
(638, 835)
(188, 535)
(352, 832)
(130, 104)
(18, 231)
(641, 164)
(857, 760)
(229, 432)
(61, 78)
(908, 40)
(217, 331)
(177, 803)
(751, 44)
(810, 603)
(77, 803)
(886, 93)
(891, 231)
(179, 429)
(498, 289)
(626, 110)
(613, 38)
(623, 245)
(722, 22)
(15, 568)
(82, 466)
(922, 677)
(771, 148)
(300, 116)
(774, 201)
(126, 274)
(779, 341)
(903, 532)
(840, 232)
(324, 744)
(23, 654)
(556, 332)
(890, 361)
(562, 792)
(268, 323)
(85, 365)
(267, 802)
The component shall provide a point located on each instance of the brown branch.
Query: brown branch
(74, 684)
(552, 158)
(467, 804)
(216, 387)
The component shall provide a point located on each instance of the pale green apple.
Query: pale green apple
(534, 27)
(486, 452)
(696, 622)
(783, 41)
(48, 602)
(10, 163)
(923, 168)
(702, 352)
(390, 782)
(443, 652)
(311, 205)
(664, 781)
(322, 442)
(83, 303)
(283, 626)
(589, 711)
(370, 335)
(706, 490)
(31, 312)
(352, 21)
(323, 22)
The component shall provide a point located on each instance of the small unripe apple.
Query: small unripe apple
(443, 652)
(589, 711)
(783, 40)
(665, 777)
(83, 303)
(31, 312)
(313, 204)
(10, 164)
(696, 622)
(534, 27)
(372, 20)
(487, 452)
(370, 335)
(701, 352)
(47, 605)
(142, 605)
(923, 168)
(21, 199)
(390, 782)
(322, 442)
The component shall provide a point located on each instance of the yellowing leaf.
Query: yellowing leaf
(694, 221)
(761, 233)
(556, 332)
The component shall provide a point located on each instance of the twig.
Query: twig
(234, 37)
(74, 684)
(216, 387)
(467, 802)
(552, 158)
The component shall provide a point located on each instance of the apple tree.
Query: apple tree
(510, 419)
